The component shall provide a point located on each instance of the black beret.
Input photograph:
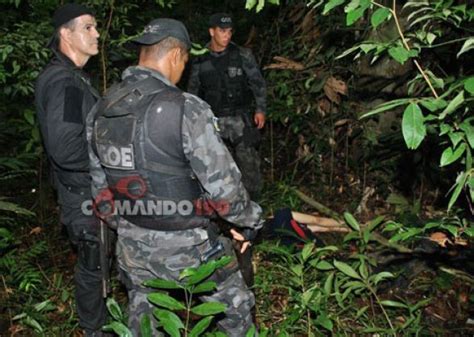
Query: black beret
(68, 12)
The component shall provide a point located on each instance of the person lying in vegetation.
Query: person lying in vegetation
(295, 227)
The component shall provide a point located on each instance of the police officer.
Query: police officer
(226, 78)
(152, 144)
(64, 96)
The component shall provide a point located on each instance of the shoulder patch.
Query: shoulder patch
(72, 112)
(215, 122)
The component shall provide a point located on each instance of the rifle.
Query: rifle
(105, 256)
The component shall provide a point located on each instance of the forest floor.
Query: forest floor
(37, 287)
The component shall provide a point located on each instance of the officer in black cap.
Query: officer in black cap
(168, 139)
(227, 78)
(63, 97)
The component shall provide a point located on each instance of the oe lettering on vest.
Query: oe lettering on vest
(118, 157)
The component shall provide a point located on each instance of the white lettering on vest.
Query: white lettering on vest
(117, 157)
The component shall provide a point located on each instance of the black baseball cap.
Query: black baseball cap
(159, 29)
(68, 12)
(221, 20)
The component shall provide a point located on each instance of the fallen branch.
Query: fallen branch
(318, 206)
(333, 214)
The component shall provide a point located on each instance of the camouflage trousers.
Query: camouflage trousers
(145, 254)
(245, 155)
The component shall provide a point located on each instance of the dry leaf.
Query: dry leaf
(324, 107)
(440, 238)
(341, 122)
(36, 230)
(284, 63)
(308, 22)
(333, 88)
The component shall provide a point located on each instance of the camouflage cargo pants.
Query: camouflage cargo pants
(245, 155)
(145, 254)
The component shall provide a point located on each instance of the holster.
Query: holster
(216, 238)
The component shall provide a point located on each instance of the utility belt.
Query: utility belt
(167, 225)
(251, 136)
(231, 112)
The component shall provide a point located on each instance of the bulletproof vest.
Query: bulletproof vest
(137, 137)
(224, 83)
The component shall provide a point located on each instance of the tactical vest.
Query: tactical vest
(76, 181)
(137, 137)
(224, 83)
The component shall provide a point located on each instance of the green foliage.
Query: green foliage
(323, 286)
(412, 39)
(119, 324)
(456, 227)
(259, 4)
(192, 281)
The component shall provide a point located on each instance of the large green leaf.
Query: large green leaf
(249, 4)
(449, 155)
(307, 251)
(468, 45)
(379, 16)
(251, 332)
(399, 54)
(469, 85)
(201, 326)
(166, 301)
(260, 5)
(223, 261)
(356, 11)
(453, 105)
(347, 52)
(413, 127)
(324, 321)
(385, 106)
(12, 207)
(455, 137)
(324, 265)
(170, 321)
(119, 328)
(201, 273)
(468, 129)
(351, 221)
(434, 104)
(346, 269)
(209, 308)
(381, 276)
(460, 182)
(204, 287)
(162, 284)
(332, 4)
(145, 326)
(394, 304)
(114, 309)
